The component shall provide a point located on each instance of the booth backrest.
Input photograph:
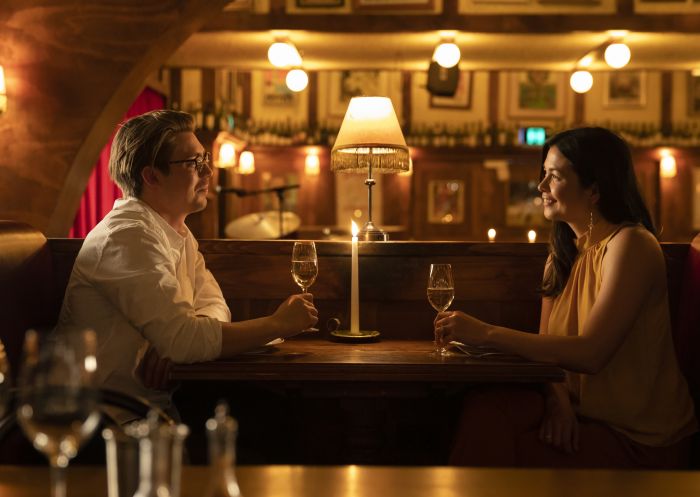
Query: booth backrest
(28, 296)
(497, 282)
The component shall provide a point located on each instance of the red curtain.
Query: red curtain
(101, 192)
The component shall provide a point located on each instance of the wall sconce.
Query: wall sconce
(667, 164)
(246, 163)
(225, 148)
(312, 165)
(617, 53)
(3, 92)
(283, 53)
(297, 80)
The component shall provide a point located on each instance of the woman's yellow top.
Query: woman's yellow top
(641, 391)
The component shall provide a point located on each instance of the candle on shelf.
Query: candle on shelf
(491, 234)
(531, 236)
(355, 285)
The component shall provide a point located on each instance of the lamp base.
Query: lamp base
(370, 233)
(348, 336)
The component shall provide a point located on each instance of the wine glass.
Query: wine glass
(304, 266)
(441, 292)
(57, 403)
(5, 385)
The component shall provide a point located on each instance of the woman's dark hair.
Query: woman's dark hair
(599, 157)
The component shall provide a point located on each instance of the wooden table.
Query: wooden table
(387, 361)
(362, 481)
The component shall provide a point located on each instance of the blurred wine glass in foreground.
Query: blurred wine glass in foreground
(441, 292)
(5, 384)
(57, 404)
(304, 266)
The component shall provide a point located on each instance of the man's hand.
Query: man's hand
(154, 371)
(559, 426)
(295, 314)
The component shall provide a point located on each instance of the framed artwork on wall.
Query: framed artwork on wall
(624, 89)
(524, 204)
(318, 4)
(462, 99)
(275, 92)
(343, 85)
(445, 201)
(693, 95)
(386, 5)
(538, 94)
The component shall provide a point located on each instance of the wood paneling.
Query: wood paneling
(72, 69)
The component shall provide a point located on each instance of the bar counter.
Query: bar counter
(363, 481)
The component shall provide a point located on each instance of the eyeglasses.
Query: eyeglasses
(198, 163)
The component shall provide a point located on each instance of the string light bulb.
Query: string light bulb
(617, 55)
(283, 54)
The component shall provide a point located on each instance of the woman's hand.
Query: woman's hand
(461, 327)
(559, 426)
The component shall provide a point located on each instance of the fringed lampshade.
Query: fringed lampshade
(370, 139)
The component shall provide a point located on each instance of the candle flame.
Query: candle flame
(355, 230)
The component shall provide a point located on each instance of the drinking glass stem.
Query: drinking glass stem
(58, 480)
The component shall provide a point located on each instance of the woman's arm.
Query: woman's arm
(633, 268)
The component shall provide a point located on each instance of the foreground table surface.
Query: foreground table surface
(359, 481)
(390, 360)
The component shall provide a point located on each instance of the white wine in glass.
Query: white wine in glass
(58, 404)
(441, 292)
(304, 266)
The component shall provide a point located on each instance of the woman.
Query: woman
(605, 320)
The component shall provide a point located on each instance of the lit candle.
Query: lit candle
(532, 236)
(355, 286)
(491, 234)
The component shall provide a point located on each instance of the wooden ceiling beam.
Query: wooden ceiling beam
(623, 18)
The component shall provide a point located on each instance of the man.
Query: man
(139, 280)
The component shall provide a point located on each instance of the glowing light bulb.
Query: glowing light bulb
(283, 54)
(312, 165)
(447, 54)
(227, 155)
(246, 163)
(491, 234)
(581, 81)
(297, 80)
(617, 55)
(531, 236)
(667, 164)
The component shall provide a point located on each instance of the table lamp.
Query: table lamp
(370, 139)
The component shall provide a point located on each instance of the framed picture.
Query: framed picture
(462, 99)
(538, 94)
(343, 85)
(524, 204)
(318, 4)
(693, 95)
(624, 89)
(384, 5)
(275, 92)
(446, 201)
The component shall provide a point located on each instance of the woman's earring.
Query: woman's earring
(590, 226)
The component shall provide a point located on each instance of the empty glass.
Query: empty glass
(441, 292)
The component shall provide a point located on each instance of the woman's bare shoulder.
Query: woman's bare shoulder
(638, 244)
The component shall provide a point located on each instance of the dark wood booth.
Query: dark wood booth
(335, 414)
